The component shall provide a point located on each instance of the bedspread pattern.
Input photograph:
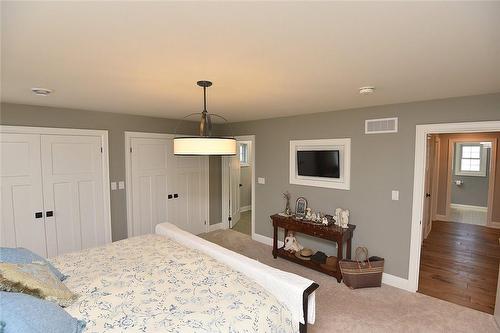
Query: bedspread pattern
(154, 284)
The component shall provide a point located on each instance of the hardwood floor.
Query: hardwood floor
(459, 263)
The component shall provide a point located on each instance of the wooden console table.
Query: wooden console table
(332, 233)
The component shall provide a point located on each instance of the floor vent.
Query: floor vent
(383, 125)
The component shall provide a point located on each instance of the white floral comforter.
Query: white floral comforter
(154, 284)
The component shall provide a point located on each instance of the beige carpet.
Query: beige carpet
(386, 309)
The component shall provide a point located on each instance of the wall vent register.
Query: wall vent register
(382, 125)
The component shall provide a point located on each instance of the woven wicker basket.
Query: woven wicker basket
(363, 272)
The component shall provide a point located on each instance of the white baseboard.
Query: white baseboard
(470, 207)
(396, 281)
(216, 226)
(266, 240)
(245, 208)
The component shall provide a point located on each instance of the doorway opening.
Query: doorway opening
(458, 244)
(238, 178)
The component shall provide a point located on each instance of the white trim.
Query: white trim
(470, 207)
(105, 159)
(245, 208)
(216, 226)
(396, 281)
(266, 240)
(419, 180)
(344, 147)
(128, 188)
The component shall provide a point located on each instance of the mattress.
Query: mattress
(152, 283)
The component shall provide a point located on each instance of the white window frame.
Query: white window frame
(458, 159)
(344, 147)
(247, 162)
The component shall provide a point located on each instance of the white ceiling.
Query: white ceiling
(266, 59)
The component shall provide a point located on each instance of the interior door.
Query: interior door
(72, 174)
(190, 191)
(22, 220)
(430, 161)
(150, 177)
(234, 189)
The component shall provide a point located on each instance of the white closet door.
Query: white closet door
(21, 193)
(73, 191)
(149, 161)
(191, 178)
(234, 188)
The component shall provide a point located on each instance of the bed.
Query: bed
(173, 281)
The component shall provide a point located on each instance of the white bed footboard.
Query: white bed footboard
(288, 288)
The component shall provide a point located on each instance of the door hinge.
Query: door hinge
(101, 149)
(420, 222)
(205, 222)
(130, 149)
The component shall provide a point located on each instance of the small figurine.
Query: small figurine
(286, 196)
(344, 218)
(324, 221)
(337, 216)
(308, 213)
(313, 217)
(291, 243)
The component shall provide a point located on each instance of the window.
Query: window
(470, 159)
(244, 153)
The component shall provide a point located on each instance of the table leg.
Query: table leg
(275, 242)
(349, 245)
(340, 256)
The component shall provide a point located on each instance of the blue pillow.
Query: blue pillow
(24, 313)
(21, 255)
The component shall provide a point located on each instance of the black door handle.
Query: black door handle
(427, 195)
(49, 213)
(169, 196)
(38, 215)
(176, 195)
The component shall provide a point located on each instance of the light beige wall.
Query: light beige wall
(116, 124)
(246, 186)
(379, 164)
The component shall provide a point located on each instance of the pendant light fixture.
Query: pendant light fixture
(205, 143)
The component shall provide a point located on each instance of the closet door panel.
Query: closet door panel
(21, 192)
(149, 170)
(72, 183)
(190, 174)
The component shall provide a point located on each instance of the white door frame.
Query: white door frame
(128, 174)
(225, 182)
(419, 181)
(78, 132)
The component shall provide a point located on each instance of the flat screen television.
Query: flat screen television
(318, 163)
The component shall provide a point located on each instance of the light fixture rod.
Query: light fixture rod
(204, 99)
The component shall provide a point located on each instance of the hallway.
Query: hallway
(459, 263)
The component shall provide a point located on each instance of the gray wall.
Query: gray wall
(474, 190)
(116, 124)
(246, 188)
(379, 164)
(215, 187)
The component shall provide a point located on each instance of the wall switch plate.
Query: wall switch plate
(395, 195)
(113, 186)
(121, 185)
(261, 180)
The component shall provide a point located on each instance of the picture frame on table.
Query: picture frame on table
(300, 207)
